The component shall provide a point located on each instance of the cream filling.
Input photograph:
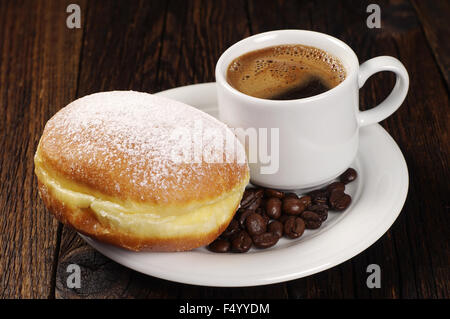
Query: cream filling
(144, 220)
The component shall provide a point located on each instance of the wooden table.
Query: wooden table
(155, 45)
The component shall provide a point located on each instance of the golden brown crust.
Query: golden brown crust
(108, 161)
(104, 171)
(84, 221)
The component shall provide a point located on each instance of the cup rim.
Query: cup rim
(220, 76)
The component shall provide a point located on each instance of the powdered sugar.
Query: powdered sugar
(136, 135)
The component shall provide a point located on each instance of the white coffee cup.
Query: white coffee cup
(318, 135)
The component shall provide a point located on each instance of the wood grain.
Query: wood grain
(155, 45)
(435, 20)
(38, 72)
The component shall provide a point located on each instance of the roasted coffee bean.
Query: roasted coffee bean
(265, 215)
(290, 195)
(248, 197)
(318, 206)
(255, 204)
(265, 240)
(283, 218)
(334, 195)
(266, 218)
(348, 176)
(339, 200)
(252, 198)
(220, 246)
(272, 207)
(241, 242)
(292, 206)
(321, 210)
(261, 212)
(243, 214)
(319, 196)
(269, 193)
(259, 192)
(335, 186)
(312, 220)
(232, 229)
(255, 224)
(323, 215)
(294, 227)
(275, 227)
(306, 200)
(341, 203)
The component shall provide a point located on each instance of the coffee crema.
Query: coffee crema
(285, 72)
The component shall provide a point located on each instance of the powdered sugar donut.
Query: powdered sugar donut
(140, 171)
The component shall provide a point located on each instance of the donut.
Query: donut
(140, 171)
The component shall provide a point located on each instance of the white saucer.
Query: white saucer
(378, 197)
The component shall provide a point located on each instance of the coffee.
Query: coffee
(265, 215)
(285, 72)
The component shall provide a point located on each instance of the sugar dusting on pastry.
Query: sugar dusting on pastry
(127, 132)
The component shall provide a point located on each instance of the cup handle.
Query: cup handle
(395, 98)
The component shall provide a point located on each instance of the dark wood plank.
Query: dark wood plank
(279, 14)
(197, 32)
(103, 278)
(38, 74)
(426, 144)
(434, 18)
(421, 130)
(121, 48)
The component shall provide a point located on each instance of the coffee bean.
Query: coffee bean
(259, 192)
(265, 215)
(261, 212)
(292, 206)
(290, 195)
(319, 196)
(232, 229)
(272, 206)
(255, 224)
(312, 220)
(243, 214)
(306, 200)
(283, 218)
(318, 206)
(321, 210)
(335, 186)
(252, 198)
(294, 227)
(323, 215)
(268, 192)
(241, 242)
(248, 197)
(219, 246)
(339, 200)
(275, 227)
(265, 240)
(255, 204)
(335, 196)
(266, 218)
(342, 202)
(348, 176)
